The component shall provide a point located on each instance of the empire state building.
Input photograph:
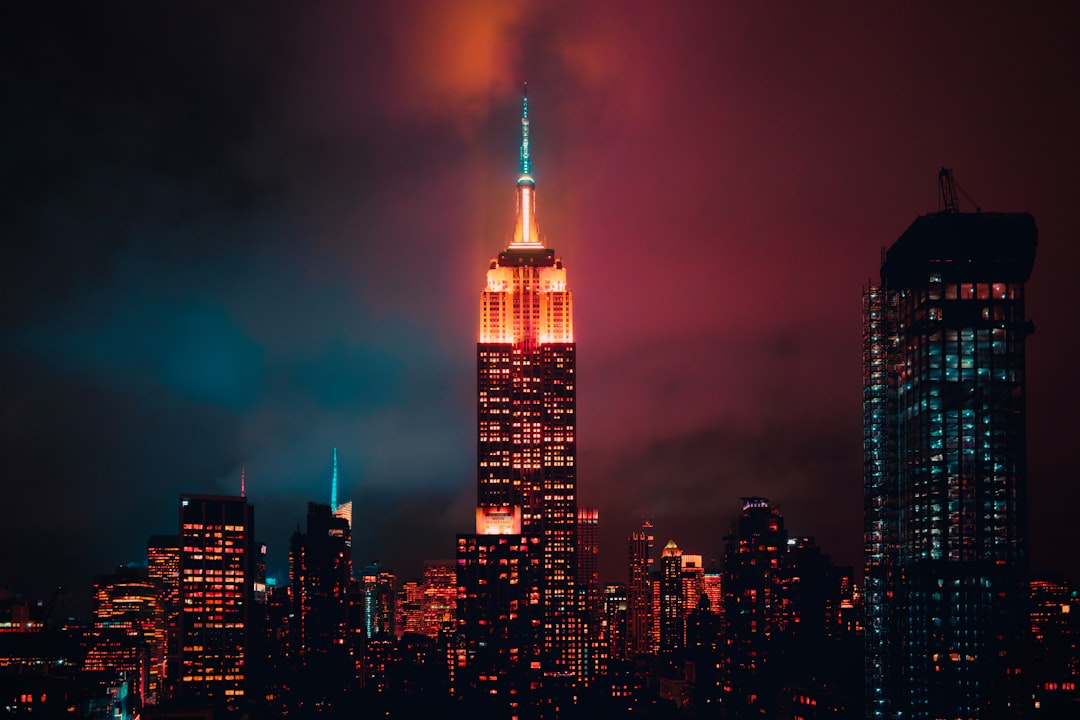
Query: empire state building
(526, 444)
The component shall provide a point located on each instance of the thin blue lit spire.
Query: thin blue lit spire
(333, 486)
(526, 161)
(526, 232)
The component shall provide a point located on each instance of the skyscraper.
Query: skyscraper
(753, 607)
(693, 582)
(320, 570)
(410, 608)
(379, 588)
(216, 595)
(945, 470)
(672, 614)
(526, 442)
(639, 592)
(588, 576)
(128, 631)
(615, 620)
(163, 567)
(589, 589)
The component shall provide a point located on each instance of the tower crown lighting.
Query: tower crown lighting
(526, 299)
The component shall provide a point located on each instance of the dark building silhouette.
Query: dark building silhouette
(1053, 666)
(320, 569)
(592, 600)
(320, 572)
(754, 608)
(498, 615)
(789, 648)
(639, 630)
(945, 471)
(703, 657)
(616, 611)
(672, 605)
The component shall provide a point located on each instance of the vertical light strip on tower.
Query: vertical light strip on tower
(526, 232)
(333, 485)
(526, 163)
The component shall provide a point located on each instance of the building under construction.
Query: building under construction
(945, 467)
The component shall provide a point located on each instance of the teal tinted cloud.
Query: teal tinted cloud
(349, 377)
(194, 350)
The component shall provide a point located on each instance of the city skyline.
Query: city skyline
(251, 253)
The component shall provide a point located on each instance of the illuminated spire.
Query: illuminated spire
(333, 485)
(526, 232)
(526, 162)
(243, 490)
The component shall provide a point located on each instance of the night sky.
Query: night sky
(243, 234)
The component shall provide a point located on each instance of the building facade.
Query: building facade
(439, 602)
(945, 469)
(163, 567)
(215, 598)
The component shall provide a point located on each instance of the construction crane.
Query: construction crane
(948, 187)
(47, 612)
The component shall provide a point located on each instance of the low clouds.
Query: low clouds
(690, 483)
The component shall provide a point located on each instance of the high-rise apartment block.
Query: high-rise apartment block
(945, 466)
